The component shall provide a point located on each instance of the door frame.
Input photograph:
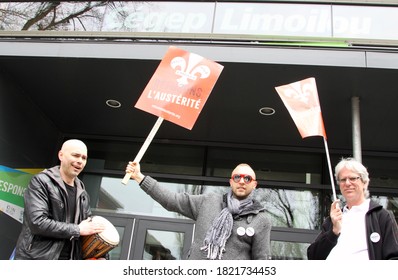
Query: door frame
(143, 224)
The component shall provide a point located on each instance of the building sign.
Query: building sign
(273, 19)
(12, 187)
(189, 19)
(174, 17)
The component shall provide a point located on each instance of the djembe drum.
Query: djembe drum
(97, 245)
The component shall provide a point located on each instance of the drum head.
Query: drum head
(110, 234)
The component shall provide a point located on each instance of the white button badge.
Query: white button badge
(250, 231)
(375, 237)
(241, 231)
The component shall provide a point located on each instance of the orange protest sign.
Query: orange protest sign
(180, 87)
(302, 101)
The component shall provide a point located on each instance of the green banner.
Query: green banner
(13, 184)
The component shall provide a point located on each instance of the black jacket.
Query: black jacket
(44, 228)
(377, 220)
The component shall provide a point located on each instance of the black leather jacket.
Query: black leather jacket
(44, 228)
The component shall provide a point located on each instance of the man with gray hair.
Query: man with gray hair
(362, 229)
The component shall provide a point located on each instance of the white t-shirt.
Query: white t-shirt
(351, 243)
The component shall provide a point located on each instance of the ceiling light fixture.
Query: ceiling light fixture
(267, 111)
(113, 103)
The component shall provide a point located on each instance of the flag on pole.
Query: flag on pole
(302, 102)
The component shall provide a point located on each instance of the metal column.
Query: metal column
(356, 129)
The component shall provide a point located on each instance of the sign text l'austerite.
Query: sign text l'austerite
(174, 98)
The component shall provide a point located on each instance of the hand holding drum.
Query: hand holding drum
(103, 239)
(88, 227)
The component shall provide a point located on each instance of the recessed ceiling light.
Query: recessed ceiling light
(113, 103)
(267, 111)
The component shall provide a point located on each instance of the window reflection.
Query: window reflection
(163, 245)
(130, 198)
(55, 15)
(115, 253)
(281, 250)
(286, 208)
(388, 202)
(128, 16)
(291, 208)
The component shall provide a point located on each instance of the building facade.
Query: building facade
(76, 69)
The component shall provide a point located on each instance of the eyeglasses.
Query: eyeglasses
(246, 178)
(351, 179)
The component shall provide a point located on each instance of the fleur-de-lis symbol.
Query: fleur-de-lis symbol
(191, 71)
(299, 92)
(305, 93)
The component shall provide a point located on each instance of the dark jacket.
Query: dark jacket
(377, 220)
(44, 228)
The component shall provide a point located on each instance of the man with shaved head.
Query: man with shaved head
(57, 209)
(230, 226)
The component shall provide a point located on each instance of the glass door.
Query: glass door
(162, 239)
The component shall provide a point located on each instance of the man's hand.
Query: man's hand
(88, 227)
(134, 169)
(336, 215)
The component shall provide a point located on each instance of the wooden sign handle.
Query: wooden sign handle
(144, 147)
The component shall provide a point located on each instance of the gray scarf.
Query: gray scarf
(219, 232)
